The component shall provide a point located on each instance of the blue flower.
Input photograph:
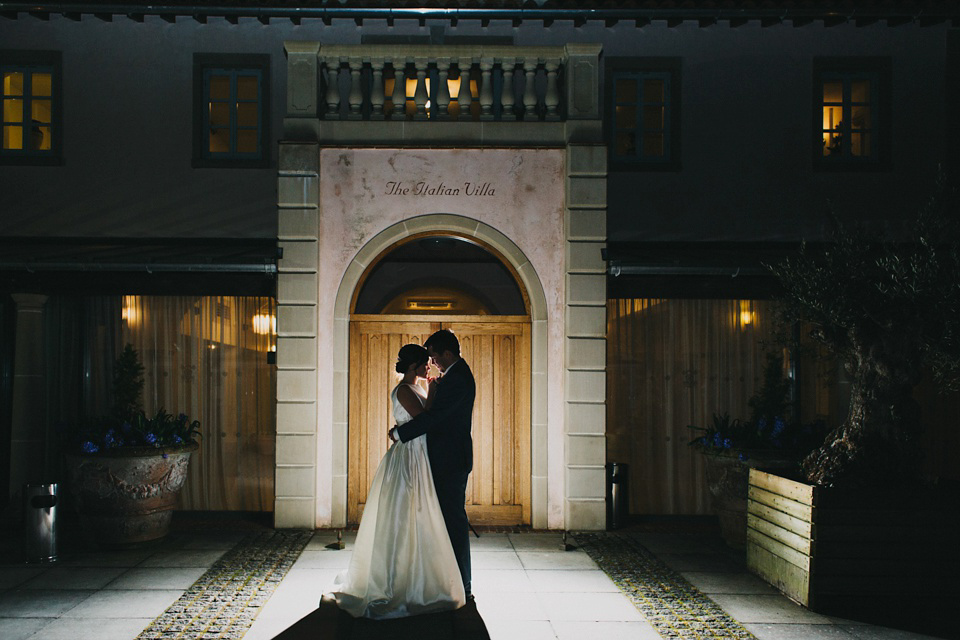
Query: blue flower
(177, 440)
(89, 447)
(778, 427)
(110, 439)
(727, 443)
(742, 457)
(150, 438)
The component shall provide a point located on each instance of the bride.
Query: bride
(402, 563)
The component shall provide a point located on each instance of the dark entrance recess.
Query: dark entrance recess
(440, 275)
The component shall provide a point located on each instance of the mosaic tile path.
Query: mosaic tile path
(674, 607)
(225, 600)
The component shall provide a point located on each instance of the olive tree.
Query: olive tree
(888, 307)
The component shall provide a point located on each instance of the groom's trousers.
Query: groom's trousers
(452, 495)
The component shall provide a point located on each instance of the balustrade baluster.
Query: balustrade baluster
(420, 94)
(530, 90)
(333, 89)
(376, 90)
(486, 89)
(506, 92)
(552, 98)
(399, 97)
(464, 97)
(442, 92)
(356, 92)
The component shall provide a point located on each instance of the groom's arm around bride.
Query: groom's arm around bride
(447, 422)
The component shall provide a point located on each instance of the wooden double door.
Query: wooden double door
(497, 348)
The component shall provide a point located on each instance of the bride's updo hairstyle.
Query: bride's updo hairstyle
(410, 354)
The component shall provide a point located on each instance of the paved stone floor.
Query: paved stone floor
(683, 584)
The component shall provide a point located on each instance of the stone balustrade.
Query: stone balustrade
(451, 83)
(457, 82)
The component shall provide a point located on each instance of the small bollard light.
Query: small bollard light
(338, 545)
(564, 545)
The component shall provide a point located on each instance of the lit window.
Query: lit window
(850, 114)
(644, 118)
(233, 112)
(31, 107)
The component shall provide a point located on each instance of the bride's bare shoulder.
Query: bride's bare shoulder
(409, 399)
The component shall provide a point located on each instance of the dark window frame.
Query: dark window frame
(671, 68)
(203, 63)
(37, 60)
(847, 69)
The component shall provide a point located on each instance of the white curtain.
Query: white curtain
(206, 356)
(670, 364)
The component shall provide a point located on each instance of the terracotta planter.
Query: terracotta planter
(127, 498)
(727, 480)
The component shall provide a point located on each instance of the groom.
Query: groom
(449, 445)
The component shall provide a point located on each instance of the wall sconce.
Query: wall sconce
(265, 323)
(130, 312)
(747, 315)
(430, 305)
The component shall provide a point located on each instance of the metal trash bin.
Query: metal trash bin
(40, 522)
(618, 502)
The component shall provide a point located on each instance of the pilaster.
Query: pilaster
(297, 294)
(585, 337)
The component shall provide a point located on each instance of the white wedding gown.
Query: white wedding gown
(402, 563)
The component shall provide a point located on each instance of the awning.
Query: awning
(693, 269)
(159, 266)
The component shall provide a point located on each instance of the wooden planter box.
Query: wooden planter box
(844, 554)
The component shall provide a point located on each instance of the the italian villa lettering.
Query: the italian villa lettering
(423, 189)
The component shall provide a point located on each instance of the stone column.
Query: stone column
(28, 434)
(297, 287)
(585, 349)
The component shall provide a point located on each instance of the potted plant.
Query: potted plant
(126, 469)
(860, 523)
(768, 440)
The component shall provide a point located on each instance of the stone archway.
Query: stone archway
(519, 264)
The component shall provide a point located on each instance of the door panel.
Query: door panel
(497, 348)
(373, 353)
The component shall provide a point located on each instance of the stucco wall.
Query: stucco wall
(513, 199)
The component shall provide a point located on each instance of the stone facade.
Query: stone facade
(342, 203)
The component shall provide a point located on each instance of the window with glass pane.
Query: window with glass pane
(851, 97)
(28, 111)
(848, 123)
(233, 119)
(641, 119)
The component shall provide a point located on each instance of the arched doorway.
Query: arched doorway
(423, 283)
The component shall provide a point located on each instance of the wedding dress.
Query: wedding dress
(402, 563)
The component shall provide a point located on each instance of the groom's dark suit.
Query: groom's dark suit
(450, 448)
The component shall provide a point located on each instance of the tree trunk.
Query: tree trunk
(877, 444)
